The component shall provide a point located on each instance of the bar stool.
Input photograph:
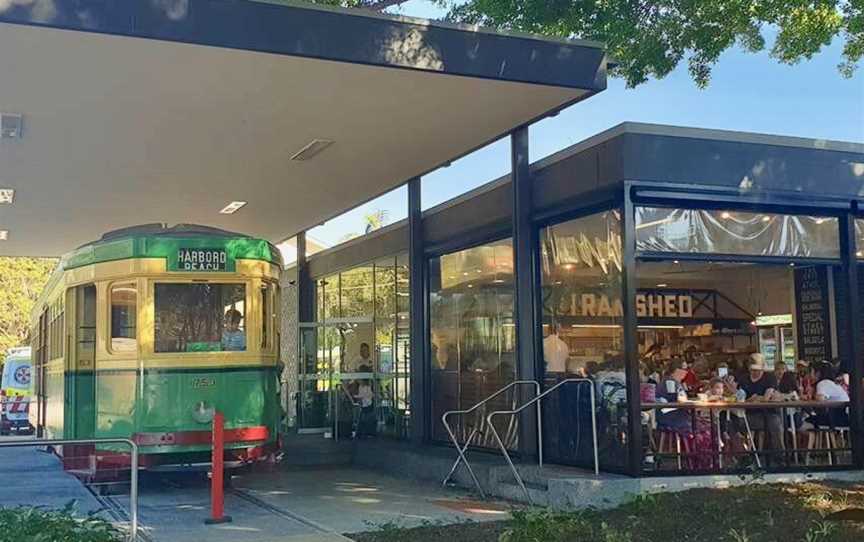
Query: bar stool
(828, 439)
(672, 442)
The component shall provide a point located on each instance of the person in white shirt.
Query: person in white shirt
(555, 351)
(827, 389)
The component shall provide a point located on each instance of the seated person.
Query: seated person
(787, 384)
(233, 338)
(761, 386)
(827, 389)
(671, 390)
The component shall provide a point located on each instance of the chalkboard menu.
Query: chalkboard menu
(812, 313)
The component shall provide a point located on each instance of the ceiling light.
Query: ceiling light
(676, 262)
(662, 285)
(498, 281)
(470, 285)
(311, 149)
(725, 215)
(766, 218)
(7, 195)
(859, 254)
(10, 126)
(232, 207)
(820, 220)
(4, 235)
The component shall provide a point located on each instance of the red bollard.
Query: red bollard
(217, 489)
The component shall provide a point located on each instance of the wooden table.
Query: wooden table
(746, 405)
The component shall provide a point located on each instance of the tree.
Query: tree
(21, 282)
(650, 38)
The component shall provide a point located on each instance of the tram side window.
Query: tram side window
(124, 305)
(200, 317)
(267, 314)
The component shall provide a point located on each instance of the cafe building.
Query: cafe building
(641, 247)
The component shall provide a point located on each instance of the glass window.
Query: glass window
(473, 337)
(200, 317)
(124, 305)
(269, 293)
(700, 231)
(583, 337)
(859, 238)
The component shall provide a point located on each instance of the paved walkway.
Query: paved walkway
(35, 478)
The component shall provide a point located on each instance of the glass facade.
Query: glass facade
(702, 231)
(473, 338)
(583, 338)
(357, 375)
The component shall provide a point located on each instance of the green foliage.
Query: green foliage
(21, 282)
(26, 524)
(649, 38)
(543, 525)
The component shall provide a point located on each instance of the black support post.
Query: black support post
(421, 399)
(853, 333)
(524, 254)
(305, 286)
(631, 350)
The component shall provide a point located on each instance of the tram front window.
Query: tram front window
(200, 317)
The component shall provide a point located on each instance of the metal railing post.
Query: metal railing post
(460, 450)
(133, 477)
(537, 400)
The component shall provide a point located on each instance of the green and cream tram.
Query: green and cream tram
(146, 332)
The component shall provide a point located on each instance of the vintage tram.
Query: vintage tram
(148, 331)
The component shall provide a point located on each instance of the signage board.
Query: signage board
(201, 259)
(812, 313)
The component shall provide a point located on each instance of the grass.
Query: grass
(28, 524)
(750, 513)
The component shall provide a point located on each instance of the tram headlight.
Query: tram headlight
(203, 412)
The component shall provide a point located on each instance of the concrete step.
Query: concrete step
(315, 450)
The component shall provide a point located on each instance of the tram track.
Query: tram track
(285, 514)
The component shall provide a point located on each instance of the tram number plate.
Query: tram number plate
(201, 259)
(203, 382)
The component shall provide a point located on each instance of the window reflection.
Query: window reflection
(583, 337)
(473, 336)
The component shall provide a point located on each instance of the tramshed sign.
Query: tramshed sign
(648, 305)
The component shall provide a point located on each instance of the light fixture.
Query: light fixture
(595, 326)
(4, 235)
(10, 125)
(820, 220)
(661, 327)
(311, 149)
(792, 264)
(7, 195)
(725, 215)
(860, 254)
(663, 285)
(470, 285)
(498, 281)
(676, 262)
(232, 207)
(766, 218)
(568, 266)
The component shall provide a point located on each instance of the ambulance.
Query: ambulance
(16, 389)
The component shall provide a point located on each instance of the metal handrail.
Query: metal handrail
(461, 449)
(537, 400)
(133, 482)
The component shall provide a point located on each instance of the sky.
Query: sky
(748, 92)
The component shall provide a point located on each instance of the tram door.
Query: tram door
(82, 364)
(326, 402)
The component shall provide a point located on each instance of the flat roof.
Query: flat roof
(138, 111)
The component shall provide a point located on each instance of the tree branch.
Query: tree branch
(381, 5)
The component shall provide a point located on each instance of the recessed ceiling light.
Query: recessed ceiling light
(311, 149)
(232, 207)
(766, 218)
(725, 215)
(662, 285)
(7, 195)
(4, 235)
(10, 125)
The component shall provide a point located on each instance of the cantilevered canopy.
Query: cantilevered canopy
(143, 111)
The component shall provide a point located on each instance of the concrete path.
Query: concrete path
(350, 500)
(36, 478)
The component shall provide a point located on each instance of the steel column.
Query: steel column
(631, 350)
(848, 240)
(524, 270)
(421, 398)
(305, 286)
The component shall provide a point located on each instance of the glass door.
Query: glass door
(326, 401)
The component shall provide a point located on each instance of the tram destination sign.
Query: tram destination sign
(202, 259)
